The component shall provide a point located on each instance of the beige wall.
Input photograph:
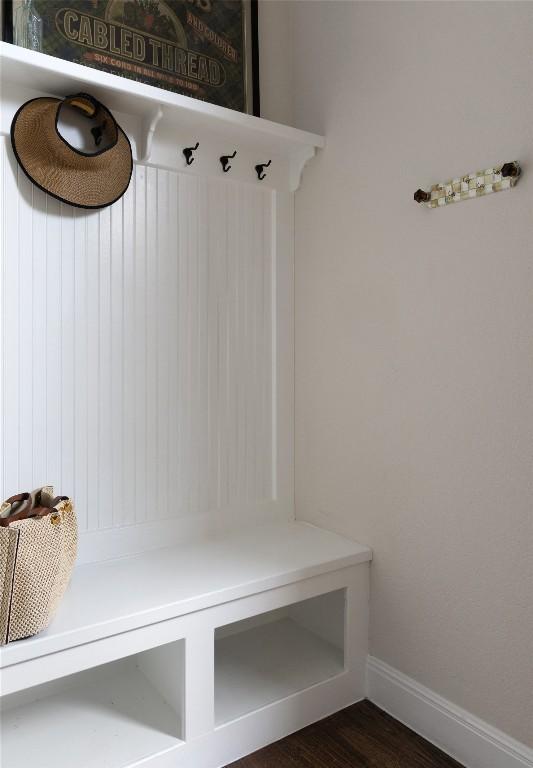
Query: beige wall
(414, 332)
(275, 60)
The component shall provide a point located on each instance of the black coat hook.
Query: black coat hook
(259, 170)
(188, 153)
(225, 161)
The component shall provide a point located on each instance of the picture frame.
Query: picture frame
(207, 49)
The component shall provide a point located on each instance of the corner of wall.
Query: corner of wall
(275, 60)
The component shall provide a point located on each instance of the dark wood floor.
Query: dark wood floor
(361, 736)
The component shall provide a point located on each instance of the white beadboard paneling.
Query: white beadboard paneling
(152, 309)
(172, 343)
(68, 321)
(216, 287)
(139, 340)
(282, 222)
(38, 364)
(162, 336)
(117, 361)
(138, 348)
(25, 325)
(201, 429)
(53, 345)
(10, 338)
(91, 368)
(105, 373)
(126, 511)
(81, 388)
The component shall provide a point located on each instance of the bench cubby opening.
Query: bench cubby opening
(269, 657)
(111, 715)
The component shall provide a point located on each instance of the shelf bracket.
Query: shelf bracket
(298, 161)
(149, 124)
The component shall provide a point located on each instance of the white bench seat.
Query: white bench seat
(192, 655)
(116, 596)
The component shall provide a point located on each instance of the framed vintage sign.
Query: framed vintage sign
(201, 48)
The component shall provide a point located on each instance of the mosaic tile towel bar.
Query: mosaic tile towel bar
(477, 184)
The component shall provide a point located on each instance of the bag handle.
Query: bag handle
(22, 510)
(42, 511)
(27, 510)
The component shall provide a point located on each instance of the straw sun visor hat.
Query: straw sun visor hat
(84, 179)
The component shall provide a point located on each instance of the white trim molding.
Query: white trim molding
(471, 741)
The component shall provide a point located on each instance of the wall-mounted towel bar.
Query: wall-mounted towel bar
(471, 185)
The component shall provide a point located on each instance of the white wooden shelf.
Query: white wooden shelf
(267, 664)
(123, 594)
(102, 719)
(157, 107)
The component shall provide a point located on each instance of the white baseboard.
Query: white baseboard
(468, 739)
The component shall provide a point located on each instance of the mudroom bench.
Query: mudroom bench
(201, 622)
(170, 657)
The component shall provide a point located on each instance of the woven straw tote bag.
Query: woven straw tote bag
(38, 545)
